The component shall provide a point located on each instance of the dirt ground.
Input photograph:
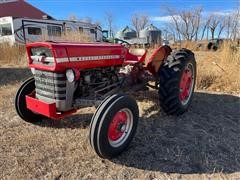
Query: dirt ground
(204, 143)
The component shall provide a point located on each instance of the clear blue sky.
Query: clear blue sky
(123, 9)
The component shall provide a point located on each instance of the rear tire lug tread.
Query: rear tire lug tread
(169, 81)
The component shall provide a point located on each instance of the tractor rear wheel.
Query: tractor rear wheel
(177, 81)
(113, 125)
(20, 102)
(210, 45)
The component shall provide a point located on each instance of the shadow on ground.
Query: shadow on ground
(13, 75)
(206, 139)
(71, 122)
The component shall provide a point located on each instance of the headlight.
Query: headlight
(70, 75)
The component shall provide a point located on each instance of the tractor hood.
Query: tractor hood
(59, 56)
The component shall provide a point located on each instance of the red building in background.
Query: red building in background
(20, 8)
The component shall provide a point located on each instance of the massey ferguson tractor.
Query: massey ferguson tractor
(70, 76)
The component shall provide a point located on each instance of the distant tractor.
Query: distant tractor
(214, 44)
(70, 76)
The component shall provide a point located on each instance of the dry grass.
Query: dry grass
(14, 55)
(220, 70)
(216, 71)
(75, 37)
(69, 36)
(186, 44)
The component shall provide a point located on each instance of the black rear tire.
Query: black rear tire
(215, 48)
(20, 102)
(170, 75)
(210, 45)
(102, 138)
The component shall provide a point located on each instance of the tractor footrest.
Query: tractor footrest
(45, 109)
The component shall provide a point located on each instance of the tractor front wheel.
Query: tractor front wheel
(26, 88)
(113, 125)
(177, 81)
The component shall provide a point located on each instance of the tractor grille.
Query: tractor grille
(50, 86)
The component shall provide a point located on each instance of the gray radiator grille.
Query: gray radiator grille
(50, 85)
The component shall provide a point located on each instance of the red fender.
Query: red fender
(156, 59)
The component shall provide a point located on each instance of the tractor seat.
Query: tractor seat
(137, 52)
(135, 56)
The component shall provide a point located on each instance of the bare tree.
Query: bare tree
(228, 26)
(235, 26)
(169, 33)
(185, 17)
(222, 25)
(197, 21)
(217, 25)
(110, 17)
(186, 22)
(213, 24)
(189, 24)
(205, 27)
(139, 22)
(175, 22)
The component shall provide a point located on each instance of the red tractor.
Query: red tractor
(69, 76)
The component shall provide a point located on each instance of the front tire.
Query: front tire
(114, 125)
(27, 115)
(177, 81)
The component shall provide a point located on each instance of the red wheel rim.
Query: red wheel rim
(120, 127)
(117, 126)
(186, 84)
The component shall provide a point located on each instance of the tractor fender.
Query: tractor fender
(158, 56)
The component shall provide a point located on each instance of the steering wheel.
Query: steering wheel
(122, 42)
